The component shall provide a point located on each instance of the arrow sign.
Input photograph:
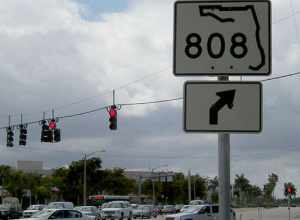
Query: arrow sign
(226, 98)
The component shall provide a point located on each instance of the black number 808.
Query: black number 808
(194, 50)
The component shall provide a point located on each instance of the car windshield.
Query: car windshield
(168, 206)
(143, 207)
(115, 205)
(3, 206)
(84, 208)
(46, 212)
(33, 207)
(196, 202)
(191, 209)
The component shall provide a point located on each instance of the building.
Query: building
(144, 175)
(36, 167)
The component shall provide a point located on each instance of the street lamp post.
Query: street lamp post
(153, 184)
(85, 156)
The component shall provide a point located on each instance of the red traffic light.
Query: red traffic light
(52, 124)
(289, 190)
(112, 111)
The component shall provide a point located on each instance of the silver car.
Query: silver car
(90, 211)
(143, 211)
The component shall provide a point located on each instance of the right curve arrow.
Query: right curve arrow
(226, 98)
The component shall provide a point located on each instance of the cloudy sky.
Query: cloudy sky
(68, 55)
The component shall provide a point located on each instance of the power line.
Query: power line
(152, 102)
(281, 77)
(287, 17)
(137, 103)
(106, 92)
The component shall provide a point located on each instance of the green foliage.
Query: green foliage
(214, 197)
(245, 193)
(270, 187)
(176, 192)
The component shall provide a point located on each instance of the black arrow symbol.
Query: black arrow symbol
(226, 98)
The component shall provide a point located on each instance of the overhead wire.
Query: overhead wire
(139, 103)
(106, 92)
(139, 80)
(109, 91)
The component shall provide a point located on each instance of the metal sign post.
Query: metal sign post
(224, 170)
(224, 175)
(222, 38)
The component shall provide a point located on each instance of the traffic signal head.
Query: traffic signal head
(46, 134)
(289, 189)
(23, 135)
(52, 124)
(113, 117)
(10, 137)
(57, 136)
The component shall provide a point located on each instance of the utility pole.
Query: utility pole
(85, 156)
(153, 183)
(84, 181)
(194, 180)
(189, 185)
(153, 191)
(140, 189)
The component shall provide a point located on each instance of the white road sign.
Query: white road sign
(222, 106)
(222, 37)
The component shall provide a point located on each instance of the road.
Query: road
(262, 214)
(268, 214)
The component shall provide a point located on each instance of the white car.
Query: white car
(199, 212)
(197, 202)
(32, 210)
(58, 214)
(185, 207)
(90, 211)
(60, 205)
(117, 210)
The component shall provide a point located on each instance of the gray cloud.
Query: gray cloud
(51, 57)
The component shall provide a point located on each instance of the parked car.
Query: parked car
(197, 202)
(90, 211)
(178, 207)
(60, 205)
(68, 214)
(185, 207)
(32, 210)
(144, 211)
(199, 212)
(10, 208)
(117, 210)
(168, 209)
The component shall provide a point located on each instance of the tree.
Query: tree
(115, 182)
(213, 184)
(270, 187)
(242, 188)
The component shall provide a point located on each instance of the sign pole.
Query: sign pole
(224, 170)
(289, 206)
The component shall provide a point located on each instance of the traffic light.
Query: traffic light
(23, 135)
(46, 134)
(10, 137)
(57, 136)
(52, 124)
(112, 111)
(289, 190)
